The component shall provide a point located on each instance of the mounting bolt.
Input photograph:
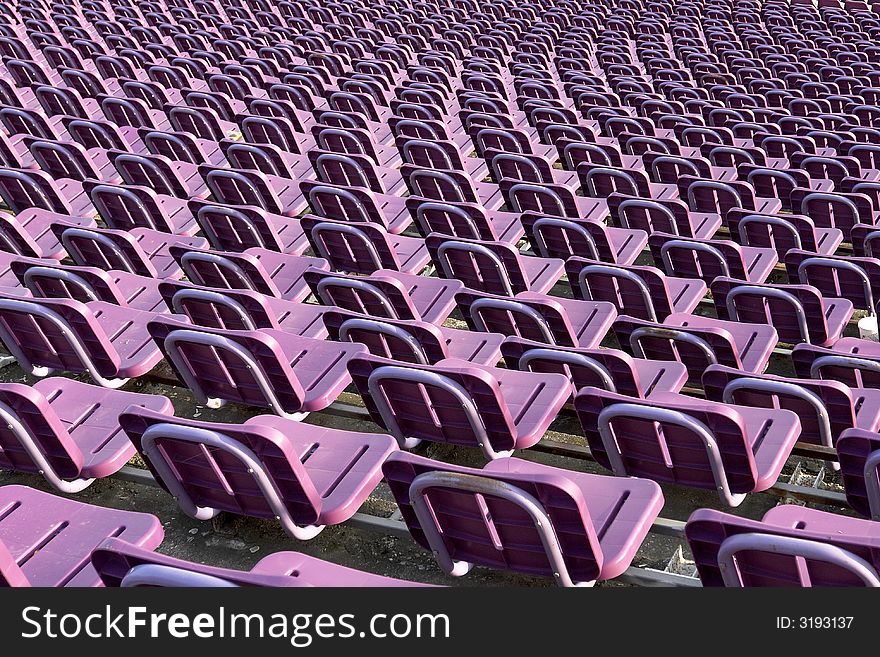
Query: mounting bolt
(250, 471)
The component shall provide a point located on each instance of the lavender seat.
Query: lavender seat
(783, 232)
(859, 453)
(663, 215)
(364, 247)
(266, 368)
(29, 233)
(356, 171)
(463, 219)
(609, 369)
(66, 533)
(140, 251)
(791, 546)
(852, 361)
(457, 402)
(108, 341)
(125, 207)
(634, 290)
(242, 310)
(356, 204)
(798, 312)
(698, 342)
(708, 259)
(555, 200)
(492, 267)
(451, 186)
(826, 408)
(386, 293)
(255, 188)
(241, 227)
(413, 341)
(267, 272)
(22, 189)
(120, 563)
(675, 439)
(853, 278)
(67, 431)
(551, 320)
(539, 520)
(555, 237)
(159, 173)
(303, 475)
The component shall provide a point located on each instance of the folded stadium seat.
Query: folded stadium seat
(28, 233)
(826, 408)
(125, 207)
(386, 293)
(835, 209)
(182, 147)
(555, 237)
(268, 272)
(132, 112)
(551, 320)
(303, 475)
(698, 342)
(266, 368)
(363, 247)
(67, 431)
(852, 361)
(462, 219)
(403, 127)
(492, 267)
(355, 140)
(140, 251)
(510, 140)
(675, 439)
(526, 167)
(859, 452)
(779, 184)
(666, 216)
(707, 259)
(356, 171)
(120, 563)
(108, 341)
(784, 232)
(54, 280)
(551, 199)
(601, 181)
(103, 134)
(267, 158)
(575, 527)
(609, 369)
(792, 546)
(22, 189)
(451, 186)
(164, 176)
(242, 310)
(798, 312)
(457, 402)
(412, 340)
(634, 290)
(719, 198)
(852, 278)
(249, 187)
(442, 154)
(66, 532)
(356, 204)
(70, 159)
(240, 227)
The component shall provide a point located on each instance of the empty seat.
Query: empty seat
(304, 476)
(29, 233)
(853, 361)
(852, 278)
(707, 259)
(241, 227)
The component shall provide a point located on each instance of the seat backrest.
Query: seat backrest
(859, 453)
(193, 460)
(543, 320)
(374, 296)
(176, 146)
(104, 248)
(21, 189)
(674, 441)
(241, 187)
(856, 279)
(547, 198)
(692, 258)
(650, 215)
(771, 554)
(59, 281)
(634, 290)
(342, 203)
(492, 267)
(453, 404)
(353, 247)
(153, 171)
(410, 341)
(855, 365)
(495, 543)
(124, 207)
(95, 134)
(833, 210)
(236, 228)
(236, 271)
(62, 159)
(555, 237)
(782, 232)
(236, 310)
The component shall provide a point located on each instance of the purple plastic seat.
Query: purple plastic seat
(859, 452)
(536, 519)
(852, 361)
(798, 312)
(791, 546)
(356, 171)
(666, 216)
(782, 232)
(457, 402)
(249, 187)
(462, 219)
(551, 320)
(451, 186)
(267, 368)
(707, 259)
(698, 342)
(140, 251)
(238, 228)
(22, 189)
(855, 279)
(492, 267)
(268, 272)
(826, 408)
(675, 439)
(242, 310)
(835, 209)
(411, 340)
(363, 247)
(67, 431)
(66, 532)
(441, 154)
(29, 233)
(125, 207)
(555, 200)
(609, 369)
(634, 290)
(386, 293)
(356, 204)
(303, 475)
(108, 341)
(120, 563)
(159, 173)
(70, 159)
